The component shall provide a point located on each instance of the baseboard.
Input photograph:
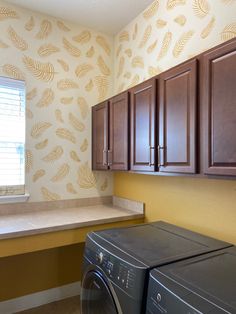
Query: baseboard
(39, 298)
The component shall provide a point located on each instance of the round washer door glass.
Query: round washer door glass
(96, 296)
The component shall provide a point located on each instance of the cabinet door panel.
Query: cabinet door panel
(177, 119)
(143, 126)
(118, 132)
(219, 105)
(100, 136)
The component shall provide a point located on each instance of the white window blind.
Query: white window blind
(12, 137)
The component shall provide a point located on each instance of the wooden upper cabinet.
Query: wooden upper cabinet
(119, 132)
(143, 132)
(100, 136)
(177, 119)
(219, 109)
(142, 148)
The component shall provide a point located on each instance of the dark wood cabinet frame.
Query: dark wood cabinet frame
(142, 126)
(100, 136)
(110, 134)
(178, 118)
(219, 109)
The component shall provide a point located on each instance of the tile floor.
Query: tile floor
(66, 306)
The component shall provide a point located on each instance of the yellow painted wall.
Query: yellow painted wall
(165, 34)
(37, 271)
(203, 205)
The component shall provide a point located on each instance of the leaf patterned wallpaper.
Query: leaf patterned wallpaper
(169, 32)
(67, 69)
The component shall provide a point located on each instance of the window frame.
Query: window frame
(16, 193)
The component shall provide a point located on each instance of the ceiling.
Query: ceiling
(108, 16)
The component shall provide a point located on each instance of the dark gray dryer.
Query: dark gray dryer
(205, 284)
(117, 263)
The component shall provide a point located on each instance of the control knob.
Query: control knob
(158, 297)
(100, 257)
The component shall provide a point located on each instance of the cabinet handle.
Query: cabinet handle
(160, 160)
(150, 156)
(105, 158)
(109, 153)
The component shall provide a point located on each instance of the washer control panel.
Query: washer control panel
(117, 270)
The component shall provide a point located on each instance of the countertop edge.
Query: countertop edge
(127, 215)
(20, 224)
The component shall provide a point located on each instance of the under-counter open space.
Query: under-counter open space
(32, 230)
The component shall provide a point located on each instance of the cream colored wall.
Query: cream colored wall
(67, 69)
(167, 33)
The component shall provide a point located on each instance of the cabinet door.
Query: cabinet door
(177, 119)
(143, 101)
(118, 132)
(100, 136)
(219, 107)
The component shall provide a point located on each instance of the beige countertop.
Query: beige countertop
(43, 221)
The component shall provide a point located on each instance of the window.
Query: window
(12, 137)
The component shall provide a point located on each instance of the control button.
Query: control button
(100, 257)
(110, 265)
(158, 297)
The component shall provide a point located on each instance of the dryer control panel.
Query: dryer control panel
(166, 296)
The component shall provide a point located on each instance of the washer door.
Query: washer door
(96, 296)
